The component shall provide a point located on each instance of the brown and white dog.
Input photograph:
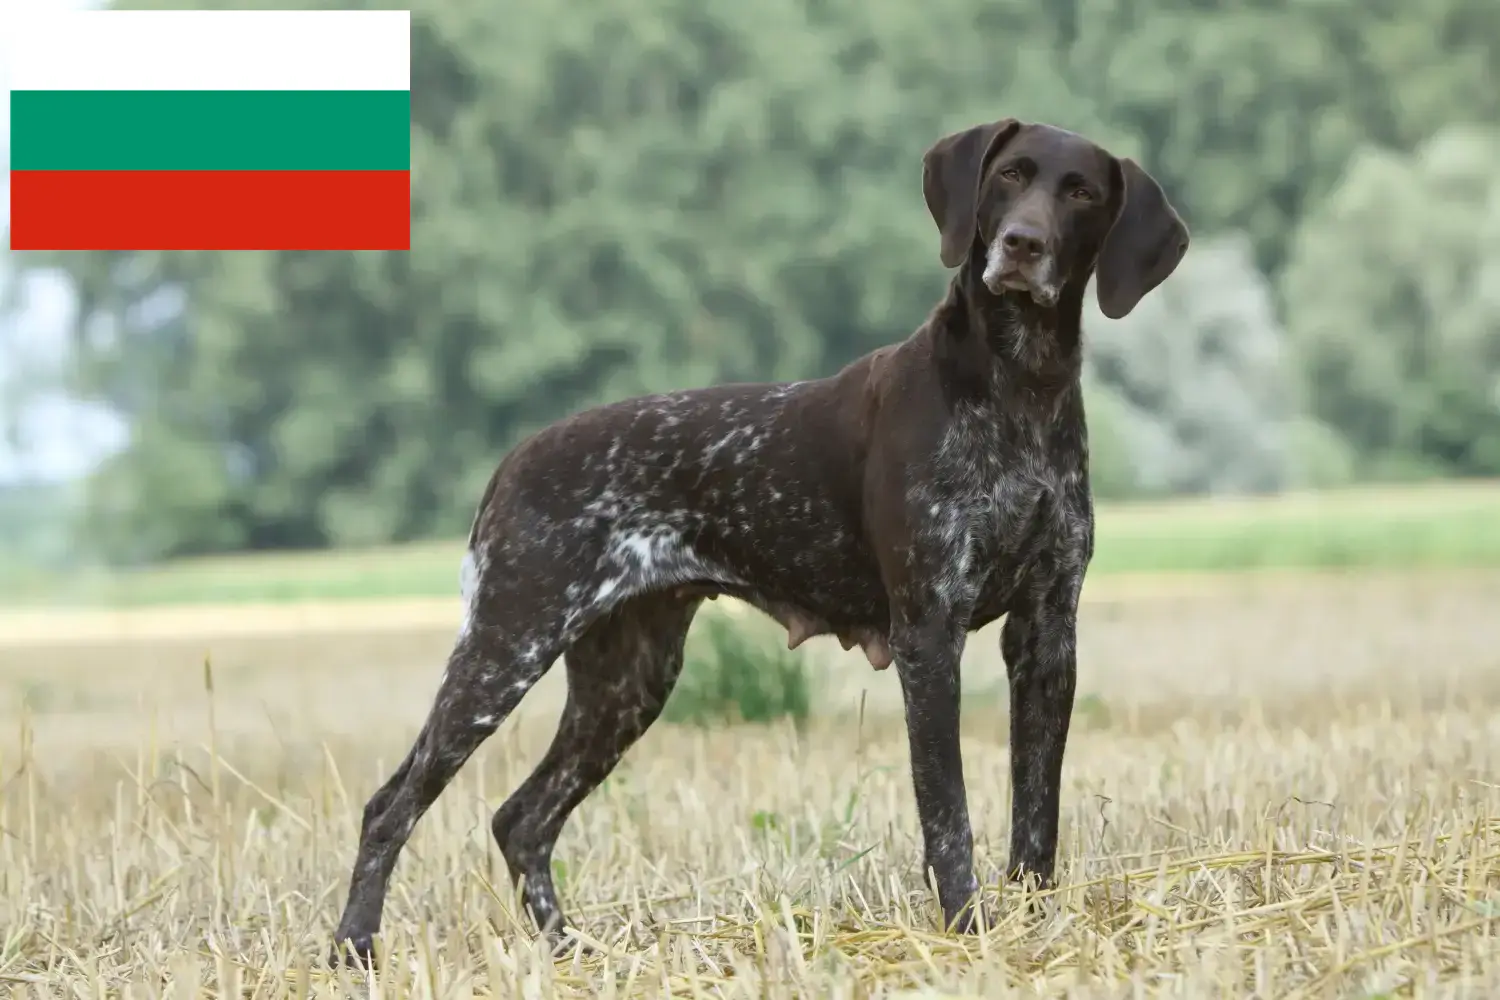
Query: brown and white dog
(922, 492)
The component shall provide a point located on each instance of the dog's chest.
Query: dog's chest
(998, 499)
(1001, 470)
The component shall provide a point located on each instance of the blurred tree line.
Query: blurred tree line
(611, 199)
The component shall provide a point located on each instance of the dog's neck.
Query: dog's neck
(998, 345)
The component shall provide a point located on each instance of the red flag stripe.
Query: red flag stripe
(210, 210)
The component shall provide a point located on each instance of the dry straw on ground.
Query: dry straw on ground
(1295, 829)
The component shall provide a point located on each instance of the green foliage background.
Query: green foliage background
(617, 198)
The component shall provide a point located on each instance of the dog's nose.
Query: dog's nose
(1023, 242)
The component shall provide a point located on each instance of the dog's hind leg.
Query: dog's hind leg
(620, 673)
(487, 676)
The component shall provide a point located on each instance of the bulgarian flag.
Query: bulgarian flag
(211, 130)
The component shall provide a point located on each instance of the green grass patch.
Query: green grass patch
(1438, 526)
(1449, 526)
(735, 672)
(428, 569)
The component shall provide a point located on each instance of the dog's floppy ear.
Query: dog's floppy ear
(1144, 246)
(951, 171)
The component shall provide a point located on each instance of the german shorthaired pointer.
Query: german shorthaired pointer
(920, 493)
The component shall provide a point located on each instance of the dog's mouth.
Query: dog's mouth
(1015, 279)
(1035, 278)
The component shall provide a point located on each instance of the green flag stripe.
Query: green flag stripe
(210, 130)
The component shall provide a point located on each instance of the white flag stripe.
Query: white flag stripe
(212, 50)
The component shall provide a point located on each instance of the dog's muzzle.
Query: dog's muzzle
(1020, 260)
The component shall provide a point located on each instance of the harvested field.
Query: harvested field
(1278, 786)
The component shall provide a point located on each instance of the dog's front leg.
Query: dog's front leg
(1039, 643)
(927, 648)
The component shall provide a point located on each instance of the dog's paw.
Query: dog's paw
(1036, 890)
(972, 919)
(559, 942)
(356, 952)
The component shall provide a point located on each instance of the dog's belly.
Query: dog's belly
(829, 585)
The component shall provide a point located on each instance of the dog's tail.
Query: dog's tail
(484, 505)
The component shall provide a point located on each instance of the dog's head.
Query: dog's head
(1042, 208)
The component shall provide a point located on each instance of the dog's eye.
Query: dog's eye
(1010, 174)
(1082, 194)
